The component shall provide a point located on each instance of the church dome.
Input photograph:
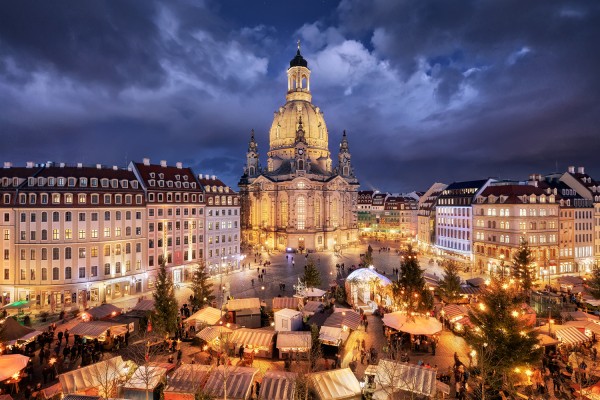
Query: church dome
(298, 61)
(285, 124)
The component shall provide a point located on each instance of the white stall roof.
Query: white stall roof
(254, 337)
(144, 305)
(286, 312)
(238, 380)
(570, 335)
(336, 384)
(92, 376)
(344, 317)
(313, 306)
(188, 378)
(285, 302)
(330, 334)
(207, 315)
(241, 304)
(94, 328)
(146, 376)
(210, 333)
(417, 325)
(278, 385)
(407, 377)
(294, 340)
(103, 311)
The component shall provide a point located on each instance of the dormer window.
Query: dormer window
(41, 181)
(185, 177)
(161, 176)
(83, 182)
(169, 183)
(124, 184)
(151, 182)
(31, 181)
(134, 184)
(177, 177)
(51, 181)
(186, 185)
(94, 182)
(61, 181)
(72, 182)
(152, 175)
(104, 183)
(193, 184)
(114, 183)
(161, 183)
(177, 184)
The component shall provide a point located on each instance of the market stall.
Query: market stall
(569, 335)
(288, 320)
(203, 317)
(144, 305)
(294, 344)
(11, 366)
(241, 304)
(312, 307)
(279, 303)
(393, 376)
(100, 378)
(415, 325)
(103, 311)
(333, 336)
(237, 380)
(344, 318)
(278, 385)
(146, 379)
(258, 341)
(364, 286)
(12, 333)
(335, 384)
(104, 331)
(214, 336)
(590, 328)
(185, 382)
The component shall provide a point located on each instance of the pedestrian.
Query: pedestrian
(67, 334)
(366, 325)
(179, 355)
(252, 280)
(60, 336)
(241, 351)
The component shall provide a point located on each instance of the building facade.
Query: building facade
(301, 200)
(426, 216)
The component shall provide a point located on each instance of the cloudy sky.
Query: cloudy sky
(427, 90)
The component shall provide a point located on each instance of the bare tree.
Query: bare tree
(141, 353)
(304, 368)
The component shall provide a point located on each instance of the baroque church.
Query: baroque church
(300, 200)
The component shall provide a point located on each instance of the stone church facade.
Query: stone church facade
(301, 199)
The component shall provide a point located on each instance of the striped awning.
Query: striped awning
(242, 304)
(278, 385)
(285, 302)
(238, 381)
(210, 333)
(294, 340)
(188, 378)
(342, 318)
(466, 289)
(453, 311)
(261, 338)
(93, 329)
(313, 306)
(207, 315)
(571, 335)
(336, 384)
(587, 325)
(407, 377)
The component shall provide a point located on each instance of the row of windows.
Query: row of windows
(160, 241)
(160, 197)
(223, 200)
(68, 234)
(82, 198)
(223, 251)
(222, 238)
(116, 249)
(161, 211)
(228, 224)
(178, 184)
(223, 212)
(82, 272)
(187, 256)
(68, 216)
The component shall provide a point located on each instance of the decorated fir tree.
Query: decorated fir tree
(522, 268)
(202, 289)
(410, 291)
(164, 318)
(450, 283)
(312, 276)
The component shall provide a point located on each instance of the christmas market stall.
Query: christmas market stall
(105, 331)
(412, 324)
(312, 307)
(214, 337)
(278, 385)
(394, 376)
(256, 342)
(186, 381)
(364, 289)
(333, 336)
(569, 335)
(101, 378)
(146, 380)
(11, 369)
(294, 345)
(103, 311)
(279, 303)
(204, 317)
(288, 320)
(336, 384)
(235, 383)
(12, 333)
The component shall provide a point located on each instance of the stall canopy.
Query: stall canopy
(368, 275)
(146, 376)
(253, 337)
(94, 376)
(241, 304)
(10, 364)
(577, 315)
(285, 302)
(188, 378)
(313, 292)
(278, 385)
(570, 280)
(586, 325)
(469, 290)
(17, 305)
(570, 335)
(300, 340)
(12, 332)
(313, 307)
(546, 340)
(210, 333)
(332, 336)
(408, 377)
(103, 311)
(344, 317)
(454, 312)
(336, 384)
(93, 329)
(207, 315)
(144, 305)
(415, 325)
(238, 380)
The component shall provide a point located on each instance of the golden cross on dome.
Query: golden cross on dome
(298, 44)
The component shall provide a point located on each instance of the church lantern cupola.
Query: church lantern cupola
(344, 157)
(252, 167)
(298, 79)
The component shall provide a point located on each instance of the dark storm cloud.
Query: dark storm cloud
(427, 90)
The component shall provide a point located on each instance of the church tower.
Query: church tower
(300, 200)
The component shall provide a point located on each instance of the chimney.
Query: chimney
(199, 176)
(98, 166)
(213, 177)
(115, 168)
(7, 164)
(571, 169)
(163, 163)
(29, 164)
(49, 163)
(581, 170)
(146, 161)
(179, 165)
(79, 165)
(62, 164)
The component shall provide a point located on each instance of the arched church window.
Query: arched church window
(345, 170)
(301, 165)
(251, 171)
(301, 212)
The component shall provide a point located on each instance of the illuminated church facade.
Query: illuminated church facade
(300, 199)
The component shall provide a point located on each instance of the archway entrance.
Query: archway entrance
(301, 244)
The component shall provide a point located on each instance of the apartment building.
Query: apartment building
(426, 216)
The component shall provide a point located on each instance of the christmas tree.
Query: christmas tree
(522, 268)
(409, 291)
(202, 289)
(450, 283)
(164, 318)
(312, 276)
